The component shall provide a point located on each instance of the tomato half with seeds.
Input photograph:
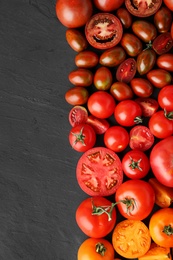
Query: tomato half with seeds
(148, 105)
(162, 43)
(126, 70)
(77, 115)
(103, 30)
(99, 172)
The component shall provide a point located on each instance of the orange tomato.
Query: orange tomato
(157, 253)
(131, 238)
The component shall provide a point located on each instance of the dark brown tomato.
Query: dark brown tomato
(146, 61)
(165, 61)
(132, 44)
(86, 59)
(81, 77)
(76, 40)
(112, 57)
(162, 43)
(163, 19)
(141, 87)
(144, 30)
(121, 91)
(103, 30)
(102, 78)
(126, 70)
(159, 77)
(77, 96)
(108, 5)
(125, 17)
(148, 105)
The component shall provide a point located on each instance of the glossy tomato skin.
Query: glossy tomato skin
(141, 87)
(144, 30)
(124, 16)
(165, 98)
(163, 19)
(161, 161)
(126, 70)
(159, 77)
(100, 126)
(162, 43)
(77, 96)
(81, 77)
(169, 4)
(121, 91)
(73, 14)
(165, 61)
(132, 44)
(76, 40)
(103, 78)
(77, 115)
(112, 57)
(145, 61)
(148, 105)
(172, 29)
(86, 59)
(108, 5)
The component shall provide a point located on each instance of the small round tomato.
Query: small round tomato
(141, 87)
(77, 115)
(169, 4)
(162, 43)
(103, 30)
(82, 137)
(77, 96)
(124, 16)
(141, 138)
(121, 91)
(132, 44)
(86, 59)
(126, 70)
(101, 104)
(165, 61)
(95, 249)
(103, 78)
(161, 227)
(144, 30)
(99, 172)
(76, 40)
(163, 19)
(99, 125)
(165, 98)
(108, 5)
(116, 138)
(145, 61)
(128, 113)
(81, 77)
(112, 57)
(148, 105)
(159, 77)
(136, 164)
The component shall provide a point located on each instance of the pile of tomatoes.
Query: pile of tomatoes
(121, 118)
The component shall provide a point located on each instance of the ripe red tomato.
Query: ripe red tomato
(76, 40)
(144, 30)
(141, 87)
(73, 14)
(148, 105)
(163, 19)
(165, 61)
(165, 98)
(126, 70)
(96, 217)
(99, 125)
(162, 43)
(161, 161)
(103, 78)
(103, 30)
(132, 44)
(77, 96)
(159, 77)
(86, 59)
(81, 77)
(77, 115)
(135, 164)
(169, 4)
(112, 57)
(108, 5)
(99, 172)
(145, 61)
(124, 16)
(135, 199)
(121, 91)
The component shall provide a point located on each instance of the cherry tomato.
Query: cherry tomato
(99, 125)
(135, 164)
(161, 227)
(141, 87)
(116, 138)
(103, 78)
(101, 104)
(99, 172)
(77, 96)
(77, 115)
(145, 61)
(103, 30)
(159, 77)
(165, 98)
(132, 44)
(95, 249)
(73, 14)
(141, 138)
(86, 59)
(108, 5)
(163, 19)
(144, 30)
(128, 113)
(165, 61)
(125, 17)
(162, 43)
(82, 137)
(161, 161)
(113, 56)
(126, 70)
(148, 105)
(172, 29)
(81, 77)
(169, 4)
(157, 252)
(76, 40)
(121, 91)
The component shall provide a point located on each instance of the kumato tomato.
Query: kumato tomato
(159, 77)
(81, 77)
(145, 61)
(121, 91)
(144, 30)
(77, 96)
(99, 172)
(163, 19)
(112, 57)
(103, 78)
(132, 44)
(86, 59)
(125, 17)
(165, 61)
(76, 40)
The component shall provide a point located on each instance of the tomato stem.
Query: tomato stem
(79, 137)
(138, 120)
(99, 210)
(100, 248)
(135, 164)
(168, 115)
(130, 204)
(168, 230)
(148, 46)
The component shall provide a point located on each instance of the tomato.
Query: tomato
(86, 59)
(125, 17)
(172, 29)
(99, 125)
(73, 14)
(81, 77)
(161, 227)
(103, 30)
(157, 252)
(103, 78)
(82, 137)
(77, 115)
(116, 138)
(161, 161)
(77, 96)
(162, 43)
(159, 77)
(163, 194)
(141, 138)
(131, 44)
(131, 238)
(148, 105)
(108, 5)
(163, 19)
(161, 124)
(135, 164)
(121, 91)
(99, 172)
(145, 61)
(141, 87)
(165, 98)
(169, 4)
(112, 57)
(144, 30)
(126, 70)
(76, 40)
(165, 61)
(128, 113)
(101, 104)
(95, 249)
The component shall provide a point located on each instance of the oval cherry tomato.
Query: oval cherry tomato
(163, 19)
(148, 105)
(132, 44)
(108, 5)
(81, 77)
(86, 59)
(99, 172)
(76, 40)
(159, 77)
(169, 4)
(165, 61)
(112, 57)
(103, 78)
(125, 17)
(165, 98)
(103, 30)
(99, 125)
(144, 30)
(121, 91)
(141, 87)
(77, 115)
(126, 70)
(77, 96)
(162, 43)
(145, 61)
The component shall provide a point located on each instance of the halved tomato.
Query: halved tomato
(148, 105)
(126, 70)
(77, 115)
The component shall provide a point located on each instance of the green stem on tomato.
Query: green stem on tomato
(100, 248)
(168, 230)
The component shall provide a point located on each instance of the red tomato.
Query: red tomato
(141, 87)
(77, 115)
(135, 164)
(126, 70)
(77, 96)
(172, 29)
(162, 43)
(128, 113)
(135, 199)
(163, 19)
(132, 44)
(108, 5)
(103, 30)
(112, 57)
(103, 78)
(121, 91)
(96, 217)
(73, 14)
(159, 77)
(81, 77)
(148, 105)
(82, 137)
(165, 61)
(99, 125)
(161, 161)
(101, 104)
(76, 40)
(141, 138)
(165, 98)
(124, 16)
(86, 59)
(116, 138)
(99, 172)
(169, 4)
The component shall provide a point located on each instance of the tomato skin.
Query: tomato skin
(103, 78)
(78, 115)
(144, 30)
(95, 226)
(121, 91)
(159, 77)
(163, 19)
(77, 96)
(165, 61)
(131, 43)
(172, 30)
(161, 161)
(86, 59)
(165, 98)
(124, 16)
(126, 70)
(169, 4)
(145, 61)
(148, 105)
(162, 43)
(76, 40)
(81, 77)
(108, 5)
(161, 219)
(99, 125)
(141, 87)
(112, 57)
